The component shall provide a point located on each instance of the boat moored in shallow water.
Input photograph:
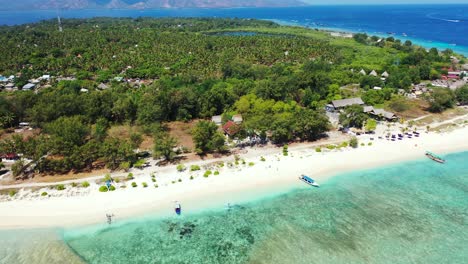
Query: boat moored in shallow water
(434, 157)
(309, 180)
(178, 208)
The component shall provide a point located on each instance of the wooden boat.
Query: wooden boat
(434, 157)
(308, 180)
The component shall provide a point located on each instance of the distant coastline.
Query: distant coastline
(408, 22)
(463, 50)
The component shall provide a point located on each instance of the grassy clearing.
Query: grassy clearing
(182, 131)
(439, 117)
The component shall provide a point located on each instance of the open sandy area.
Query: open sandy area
(252, 178)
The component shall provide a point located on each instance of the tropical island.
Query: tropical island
(104, 105)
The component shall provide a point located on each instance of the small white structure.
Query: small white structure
(29, 86)
(45, 77)
(237, 119)
(363, 72)
(373, 73)
(385, 74)
(377, 88)
(218, 120)
(102, 86)
(83, 90)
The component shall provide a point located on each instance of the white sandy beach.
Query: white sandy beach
(239, 183)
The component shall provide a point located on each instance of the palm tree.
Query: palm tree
(7, 119)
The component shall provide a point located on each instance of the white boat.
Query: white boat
(309, 180)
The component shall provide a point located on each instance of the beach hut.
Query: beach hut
(373, 73)
(385, 74)
(363, 72)
(338, 104)
(231, 128)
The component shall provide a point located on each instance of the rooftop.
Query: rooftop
(347, 102)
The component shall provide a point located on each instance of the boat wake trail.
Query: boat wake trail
(443, 19)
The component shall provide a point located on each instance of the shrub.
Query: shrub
(74, 184)
(156, 186)
(207, 173)
(144, 184)
(181, 167)
(173, 182)
(117, 180)
(85, 184)
(251, 164)
(112, 188)
(44, 194)
(103, 189)
(194, 168)
(191, 177)
(216, 173)
(243, 162)
(134, 184)
(180, 180)
(125, 165)
(362, 144)
(153, 179)
(344, 144)
(130, 176)
(285, 150)
(60, 187)
(262, 159)
(354, 142)
(12, 193)
(221, 164)
(107, 177)
(369, 144)
(330, 147)
(318, 150)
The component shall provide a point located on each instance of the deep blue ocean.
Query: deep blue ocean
(441, 26)
(411, 212)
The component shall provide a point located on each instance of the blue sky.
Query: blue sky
(373, 2)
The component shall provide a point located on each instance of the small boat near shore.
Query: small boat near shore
(178, 208)
(434, 157)
(309, 180)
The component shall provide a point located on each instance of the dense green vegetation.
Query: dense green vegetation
(279, 81)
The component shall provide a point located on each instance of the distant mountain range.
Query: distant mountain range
(146, 4)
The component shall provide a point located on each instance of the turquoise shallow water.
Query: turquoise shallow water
(413, 212)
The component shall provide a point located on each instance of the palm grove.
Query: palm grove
(278, 79)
